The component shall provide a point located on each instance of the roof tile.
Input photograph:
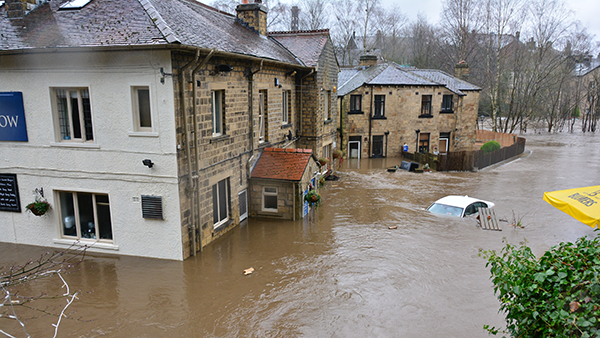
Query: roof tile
(282, 164)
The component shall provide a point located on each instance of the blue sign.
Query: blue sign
(12, 117)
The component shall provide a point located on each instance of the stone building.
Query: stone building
(140, 121)
(385, 106)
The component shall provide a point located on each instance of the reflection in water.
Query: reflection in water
(342, 272)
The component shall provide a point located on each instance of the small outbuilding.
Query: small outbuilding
(279, 181)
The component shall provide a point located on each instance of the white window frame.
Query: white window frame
(137, 114)
(218, 112)
(81, 93)
(262, 116)
(266, 193)
(326, 103)
(285, 99)
(76, 216)
(217, 198)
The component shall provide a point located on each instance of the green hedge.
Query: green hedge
(490, 146)
(557, 295)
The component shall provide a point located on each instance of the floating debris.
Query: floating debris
(248, 271)
(393, 227)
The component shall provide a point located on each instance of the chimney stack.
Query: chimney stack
(253, 15)
(368, 60)
(17, 9)
(295, 14)
(461, 70)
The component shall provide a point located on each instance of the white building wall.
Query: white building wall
(111, 164)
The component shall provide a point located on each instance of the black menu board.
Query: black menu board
(9, 193)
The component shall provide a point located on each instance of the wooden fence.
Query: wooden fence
(467, 160)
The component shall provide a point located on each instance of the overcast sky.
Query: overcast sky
(586, 11)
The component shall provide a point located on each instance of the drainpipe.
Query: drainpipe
(417, 148)
(341, 124)
(196, 205)
(250, 110)
(182, 82)
(387, 133)
(370, 120)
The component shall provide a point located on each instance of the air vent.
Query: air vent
(152, 207)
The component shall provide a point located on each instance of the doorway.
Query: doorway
(354, 147)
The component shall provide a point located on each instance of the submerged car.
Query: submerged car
(459, 206)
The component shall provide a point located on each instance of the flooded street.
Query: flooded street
(341, 273)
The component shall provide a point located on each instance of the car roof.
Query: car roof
(459, 201)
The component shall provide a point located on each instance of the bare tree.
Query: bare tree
(423, 43)
(314, 14)
(462, 21)
(48, 265)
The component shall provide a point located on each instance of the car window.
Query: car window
(445, 209)
(471, 209)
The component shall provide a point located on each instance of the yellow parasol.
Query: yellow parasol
(581, 203)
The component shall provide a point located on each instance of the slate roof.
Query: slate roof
(282, 164)
(582, 69)
(306, 45)
(396, 75)
(136, 23)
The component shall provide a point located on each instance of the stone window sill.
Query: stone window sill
(219, 138)
(425, 116)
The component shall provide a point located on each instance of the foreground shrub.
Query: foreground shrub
(557, 295)
(490, 146)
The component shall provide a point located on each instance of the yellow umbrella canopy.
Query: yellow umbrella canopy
(581, 203)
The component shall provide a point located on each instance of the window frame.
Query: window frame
(445, 109)
(327, 105)
(217, 112)
(355, 102)
(263, 97)
(218, 189)
(137, 114)
(426, 105)
(285, 106)
(266, 194)
(59, 115)
(77, 216)
(379, 106)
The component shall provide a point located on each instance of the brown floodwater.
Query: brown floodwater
(341, 272)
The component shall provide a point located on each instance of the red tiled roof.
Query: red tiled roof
(282, 164)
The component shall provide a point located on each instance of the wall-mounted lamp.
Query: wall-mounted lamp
(224, 68)
(148, 163)
(276, 81)
(163, 74)
(289, 135)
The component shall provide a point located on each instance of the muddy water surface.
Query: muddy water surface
(342, 272)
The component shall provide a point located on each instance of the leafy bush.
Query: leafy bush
(490, 146)
(557, 295)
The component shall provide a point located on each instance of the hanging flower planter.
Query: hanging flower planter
(323, 161)
(338, 154)
(38, 208)
(313, 198)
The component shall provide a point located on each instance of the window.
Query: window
(142, 115)
(220, 192)
(447, 104)
(379, 106)
(355, 103)
(74, 114)
(424, 143)
(326, 108)
(218, 116)
(262, 117)
(426, 105)
(269, 199)
(285, 107)
(85, 215)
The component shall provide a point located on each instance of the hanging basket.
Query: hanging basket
(313, 198)
(38, 208)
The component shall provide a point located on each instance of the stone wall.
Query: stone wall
(402, 118)
(231, 155)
